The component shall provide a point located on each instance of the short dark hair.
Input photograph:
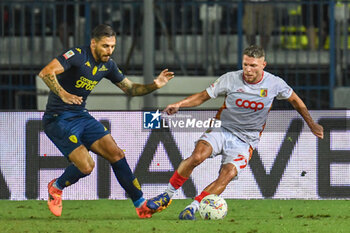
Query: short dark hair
(254, 51)
(102, 30)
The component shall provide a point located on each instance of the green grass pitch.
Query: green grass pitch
(119, 216)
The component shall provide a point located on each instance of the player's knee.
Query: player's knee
(196, 159)
(87, 168)
(116, 155)
(232, 174)
(229, 172)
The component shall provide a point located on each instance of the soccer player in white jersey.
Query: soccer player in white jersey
(249, 96)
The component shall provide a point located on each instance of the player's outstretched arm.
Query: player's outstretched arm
(136, 89)
(191, 101)
(299, 105)
(48, 75)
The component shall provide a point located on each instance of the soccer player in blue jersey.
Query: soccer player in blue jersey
(71, 77)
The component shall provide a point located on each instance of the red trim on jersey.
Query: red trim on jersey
(241, 158)
(218, 114)
(262, 76)
(250, 152)
(201, 196)
(177, 180)
(263, 127)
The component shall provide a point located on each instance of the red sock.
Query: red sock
(201, 196)
(177, 181)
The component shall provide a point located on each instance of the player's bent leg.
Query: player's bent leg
(189, 212)
(71, 175)
(227, 173)
(201, 152)
(82, 160)
(108, 149)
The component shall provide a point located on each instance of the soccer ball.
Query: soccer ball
(213, 207)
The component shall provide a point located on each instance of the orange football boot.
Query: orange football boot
(144, 211)
(55, 199)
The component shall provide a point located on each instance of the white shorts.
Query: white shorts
(232, 149)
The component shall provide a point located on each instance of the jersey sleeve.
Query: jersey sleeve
(284, 90)
(115, 75)
(218, 87)
(72, 57)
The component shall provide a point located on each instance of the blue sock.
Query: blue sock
(128, 181)
(70, 176)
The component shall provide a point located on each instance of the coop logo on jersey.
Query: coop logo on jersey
(151, 120)
(263, 92)
(68, 54)
(250, 104)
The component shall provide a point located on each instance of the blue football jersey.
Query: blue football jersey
(81, 74)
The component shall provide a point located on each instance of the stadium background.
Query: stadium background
(198, 40)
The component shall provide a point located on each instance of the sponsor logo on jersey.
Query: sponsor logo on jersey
(79, 50)
(68, 54)
(240, 90)
(85, 83)
(263, 92)
(249, 104)
(103, 68)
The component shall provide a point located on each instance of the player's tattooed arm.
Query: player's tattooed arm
(136, 89)
(48, 75)
(51, 81)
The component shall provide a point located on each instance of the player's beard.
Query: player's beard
(101, 57)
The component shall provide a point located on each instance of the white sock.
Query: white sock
(170, 190)
(194, 205)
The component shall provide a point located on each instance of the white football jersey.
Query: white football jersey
(246, 105)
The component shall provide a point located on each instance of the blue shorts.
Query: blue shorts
(69, 130)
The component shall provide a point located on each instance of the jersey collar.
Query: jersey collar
(262, 76)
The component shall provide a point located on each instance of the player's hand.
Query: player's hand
(71, 99)
(172, 109)
(317, 130)
(163, 78)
